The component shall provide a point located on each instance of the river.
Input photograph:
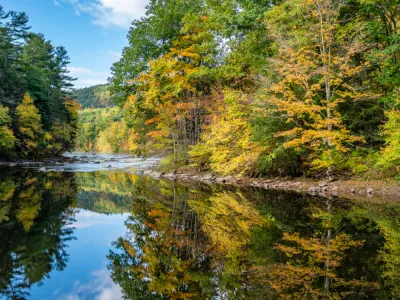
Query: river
(98, 229)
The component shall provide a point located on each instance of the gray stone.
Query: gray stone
(208, 177)
(312, 189)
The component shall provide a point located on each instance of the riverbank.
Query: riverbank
(57, 160)
(374, 190)
(378, 190)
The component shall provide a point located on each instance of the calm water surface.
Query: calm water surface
(111, 234)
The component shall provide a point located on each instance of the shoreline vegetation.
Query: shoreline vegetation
(382, 190)
(250, 89)
(352, 188)
(283, 88)
(38, 117)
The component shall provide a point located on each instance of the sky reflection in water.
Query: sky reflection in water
(86, 275)
(113, 234)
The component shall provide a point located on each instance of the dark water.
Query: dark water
(114, 235)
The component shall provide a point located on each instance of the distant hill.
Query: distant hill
(94, 97)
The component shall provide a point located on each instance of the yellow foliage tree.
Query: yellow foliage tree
(226, 143)
(174, 88)
(7, 138)
(316, 65)
(29, 126)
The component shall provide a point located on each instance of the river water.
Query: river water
(97, 229)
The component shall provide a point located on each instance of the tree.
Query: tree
(316, 67)
(29, 127)
(226, 143)
(149, 38)
(176, 88)
(7, 138)
(29, 64)
(390, 157)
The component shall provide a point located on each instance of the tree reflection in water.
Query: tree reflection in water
(35, 210)
(188, 241)
(202, 242)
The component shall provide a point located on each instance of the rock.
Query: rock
(370, 191)
(312, 189)
(208, 177)
(43, 169)
(334, 188)
(323, 184)
(147, 172)
(156, 174)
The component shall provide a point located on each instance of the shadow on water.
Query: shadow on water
(201, 242)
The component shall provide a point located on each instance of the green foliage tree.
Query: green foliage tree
(29, 64)
(330, 69)
(96, 96)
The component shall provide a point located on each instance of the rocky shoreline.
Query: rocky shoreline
(59, 160)
(352, 189)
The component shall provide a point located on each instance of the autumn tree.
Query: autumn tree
(176, 88)
(316, 66)
(390, 157)
(7, 138)
(226, 145)
(29, 127)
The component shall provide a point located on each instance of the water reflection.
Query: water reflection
(34, 212)
(197, 242)
(181, 241)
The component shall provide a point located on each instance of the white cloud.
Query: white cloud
(87, 219)
(111, 13)
(56, 3)
(101, 287)
(87, 77)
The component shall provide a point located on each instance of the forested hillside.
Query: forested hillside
(37, 115)
(291, 87)
(96, 96)
(104, 130)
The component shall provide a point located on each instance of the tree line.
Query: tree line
(256, 87)
(37, 114)
(104, 130)
(96, 96)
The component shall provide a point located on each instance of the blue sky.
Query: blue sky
(93, 31)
